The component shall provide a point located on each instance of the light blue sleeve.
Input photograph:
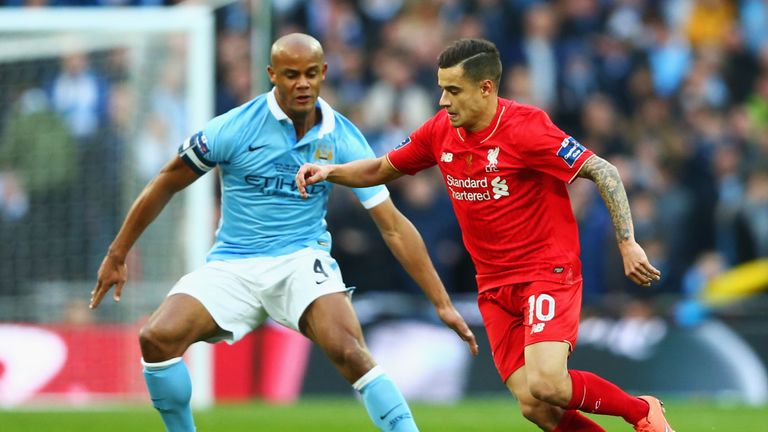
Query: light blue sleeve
(206, 148)
(351, 146)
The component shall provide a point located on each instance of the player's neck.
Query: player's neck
(302, 124)
(489, 113)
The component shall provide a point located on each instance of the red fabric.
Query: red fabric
(269, 362)
(234, 373)
(574, 421)
(511, 324)
(507, 184)
(596, 395)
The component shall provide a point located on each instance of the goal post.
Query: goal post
(153, 45)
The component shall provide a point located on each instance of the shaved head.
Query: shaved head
(295, 46)
(297, 71)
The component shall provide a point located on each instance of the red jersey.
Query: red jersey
(508, 188)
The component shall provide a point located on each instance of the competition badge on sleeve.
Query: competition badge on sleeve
(570, 150)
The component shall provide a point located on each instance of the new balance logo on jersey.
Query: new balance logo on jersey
(537, 328)
(493, 160)
(500, 188)
(446, 157)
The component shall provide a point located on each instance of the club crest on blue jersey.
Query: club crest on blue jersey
(570, 150)
(403, 143)
(323, 152)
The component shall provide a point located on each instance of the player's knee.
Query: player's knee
(348, 353)
(531, 411)
(537, 412)
(544, 389)
(157, 344)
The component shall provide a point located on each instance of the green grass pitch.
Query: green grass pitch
(347, 415)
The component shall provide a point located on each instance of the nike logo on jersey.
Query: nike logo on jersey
(389, 412)
(254, 147)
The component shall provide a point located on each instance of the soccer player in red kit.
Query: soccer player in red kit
(506, 166)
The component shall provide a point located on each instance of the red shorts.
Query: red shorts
(519, 315)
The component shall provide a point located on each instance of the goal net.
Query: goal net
(93, 103)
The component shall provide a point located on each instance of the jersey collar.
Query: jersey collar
(485, 134)
(327, 125)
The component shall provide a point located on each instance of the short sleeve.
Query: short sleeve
(415, 152)
(206, 148)
(353, 146)
(545, 148)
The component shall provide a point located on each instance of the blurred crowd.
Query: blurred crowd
(674, 93)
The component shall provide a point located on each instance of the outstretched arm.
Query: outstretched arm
(174, 176)
(408, 247)
(359, 173)
(606, 177)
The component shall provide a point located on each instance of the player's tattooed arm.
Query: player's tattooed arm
(637, 267)
(608, 182)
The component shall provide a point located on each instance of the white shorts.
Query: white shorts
(241, 294)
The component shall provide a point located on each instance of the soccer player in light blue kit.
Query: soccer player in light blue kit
(272, 251)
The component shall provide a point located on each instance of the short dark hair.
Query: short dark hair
(479, 58)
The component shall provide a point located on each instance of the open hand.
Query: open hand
(453, 319)
(636, 265)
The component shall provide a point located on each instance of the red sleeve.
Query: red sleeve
(415, 152)
(544, 147)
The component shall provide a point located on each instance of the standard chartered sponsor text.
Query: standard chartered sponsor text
(455, 185)
(467, 182)
(470, 196)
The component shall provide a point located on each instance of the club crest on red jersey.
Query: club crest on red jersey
(468, 163)
(493, 160)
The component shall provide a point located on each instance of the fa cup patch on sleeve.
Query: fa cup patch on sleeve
(403, 143)
(570, 150)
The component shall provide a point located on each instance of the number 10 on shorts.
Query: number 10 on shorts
(541, 306)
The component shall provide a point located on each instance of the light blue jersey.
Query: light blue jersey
(255, 148)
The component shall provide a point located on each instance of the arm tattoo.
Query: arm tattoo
(608, 181)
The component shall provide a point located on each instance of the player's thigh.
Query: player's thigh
(330, 319)
(224, 297)
(180, 319)
(503, 321)
(547, 361)
(517, 383)
(551, 321)
(330, 322)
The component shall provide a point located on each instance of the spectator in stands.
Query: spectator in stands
(46, 235)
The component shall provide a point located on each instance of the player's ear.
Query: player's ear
(325, 69)
(486, 87)
(271, 73)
